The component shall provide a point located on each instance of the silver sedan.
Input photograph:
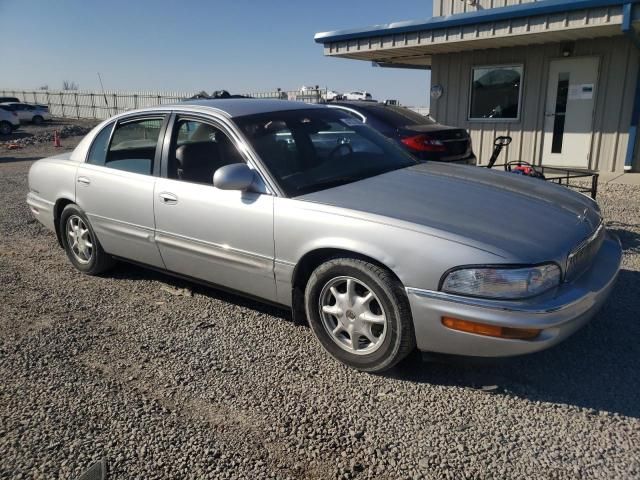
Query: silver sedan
(305, 207)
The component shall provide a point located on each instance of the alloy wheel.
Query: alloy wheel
(79, 239)
(352, 315)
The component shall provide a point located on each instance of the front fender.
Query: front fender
(417, 258)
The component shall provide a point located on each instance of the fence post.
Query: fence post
(62, 104)
(135, 100)
(35, 99)
(49, 103)
(158, 99)
(93, 106)
(77, 106)
(115, 104)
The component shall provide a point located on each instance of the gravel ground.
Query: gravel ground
(215, 386)
(30, 134)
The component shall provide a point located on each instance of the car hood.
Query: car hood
(523, 219)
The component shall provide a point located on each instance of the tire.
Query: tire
(5, 128)
(385, 316)
(37, 120)
(86, 255)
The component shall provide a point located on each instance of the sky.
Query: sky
(238, 45)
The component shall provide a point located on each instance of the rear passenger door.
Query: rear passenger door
(115, 186)
(222, 236)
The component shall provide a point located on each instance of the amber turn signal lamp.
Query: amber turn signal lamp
(490, 330)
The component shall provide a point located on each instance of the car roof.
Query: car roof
(238, 107)
(359, 103)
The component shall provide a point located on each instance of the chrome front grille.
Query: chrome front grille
(581, 258)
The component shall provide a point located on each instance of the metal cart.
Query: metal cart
(582, 180)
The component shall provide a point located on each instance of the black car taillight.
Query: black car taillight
(423, 143)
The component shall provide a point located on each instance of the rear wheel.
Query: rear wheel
(37, 119)
(360, 314)
(80, 242)
(5, 128)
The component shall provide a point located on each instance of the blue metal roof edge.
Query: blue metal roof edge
(544, 7)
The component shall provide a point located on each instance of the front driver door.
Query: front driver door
(222, 236)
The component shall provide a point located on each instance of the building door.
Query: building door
(569, 112)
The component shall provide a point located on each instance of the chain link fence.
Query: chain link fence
(102, 105)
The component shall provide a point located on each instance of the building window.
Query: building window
(495, 93)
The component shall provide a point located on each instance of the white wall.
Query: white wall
(615, 93)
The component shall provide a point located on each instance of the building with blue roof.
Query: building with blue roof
(561, 77)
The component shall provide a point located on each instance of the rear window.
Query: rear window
(399, 116)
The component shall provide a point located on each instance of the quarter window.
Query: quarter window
(98, 150)
(133, 145)
(495, 93)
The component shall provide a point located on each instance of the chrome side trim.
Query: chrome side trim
(220, 253)
(505, 306)
(118, 227)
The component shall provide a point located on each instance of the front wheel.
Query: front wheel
(37, 120)
(360, 314)
(5, 128)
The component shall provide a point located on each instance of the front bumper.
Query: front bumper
(558, 313)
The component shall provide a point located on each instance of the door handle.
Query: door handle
(168, 198)
(84, 180)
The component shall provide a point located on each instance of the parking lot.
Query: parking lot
(167, 379)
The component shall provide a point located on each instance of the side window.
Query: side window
(198, 149)
(274, 141)
(133, 145)
(98, 150)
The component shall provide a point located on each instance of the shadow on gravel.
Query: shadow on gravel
(134, 272)
(596, 368)
(4, 159)
(626, 232)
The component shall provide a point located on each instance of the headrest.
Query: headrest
(197, 155)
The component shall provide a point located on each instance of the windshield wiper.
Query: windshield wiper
(329, 183)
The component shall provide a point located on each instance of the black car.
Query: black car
(420, 135)
(9, 99)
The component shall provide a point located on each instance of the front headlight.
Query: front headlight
(502, 283)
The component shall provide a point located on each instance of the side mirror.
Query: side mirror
(236, 176)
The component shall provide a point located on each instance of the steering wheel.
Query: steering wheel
(338, 147)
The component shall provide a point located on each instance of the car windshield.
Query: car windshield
(314, 149)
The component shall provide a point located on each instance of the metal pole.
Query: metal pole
(93, 106)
